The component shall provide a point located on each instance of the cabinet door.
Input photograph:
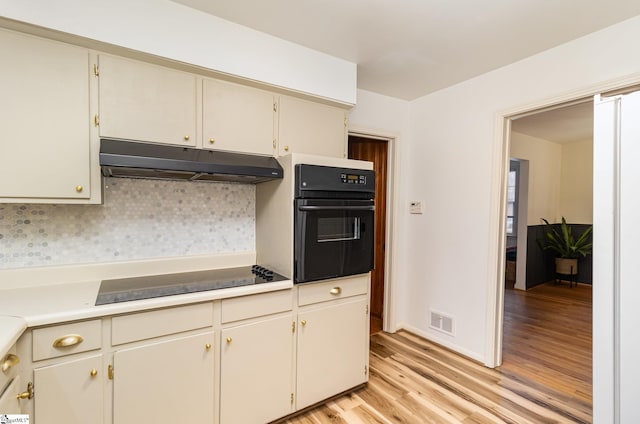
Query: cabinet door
(9, 403)
(139, 101)
(165, 382)
(332, 350)
(256, 372)
(69, 392)
(237, 118)
(44, 119)
(314, 128)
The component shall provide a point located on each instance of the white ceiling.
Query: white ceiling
(561, 125)
(409, 48)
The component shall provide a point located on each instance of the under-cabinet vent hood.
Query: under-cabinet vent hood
(131, 159)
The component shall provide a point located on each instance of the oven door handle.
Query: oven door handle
(336, 208)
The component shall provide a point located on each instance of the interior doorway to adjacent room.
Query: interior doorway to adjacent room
(376, 151)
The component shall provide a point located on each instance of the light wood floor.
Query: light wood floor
(415, 381)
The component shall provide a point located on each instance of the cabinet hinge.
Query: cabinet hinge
(293, 327)
(366, 312)
(275, 106)
(96, 120)
(110, 372)
(291, 398)
(96, 70)
(365, 370)
(274, 143)
(346, 121)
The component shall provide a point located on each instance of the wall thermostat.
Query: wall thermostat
(415, 206)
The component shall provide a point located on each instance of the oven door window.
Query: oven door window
(333, 239)
(338, 229)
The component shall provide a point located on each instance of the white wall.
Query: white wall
(545, 161)
(175, 31)
(376, 114)
(576, 187)
(455, 163)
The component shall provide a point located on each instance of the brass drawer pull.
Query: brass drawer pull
(9, 361)
(335, 291)
(68, 340)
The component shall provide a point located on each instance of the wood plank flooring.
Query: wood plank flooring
(415, 381)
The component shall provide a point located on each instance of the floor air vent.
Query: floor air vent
(441, 322)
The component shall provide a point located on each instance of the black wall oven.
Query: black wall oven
(334, 222)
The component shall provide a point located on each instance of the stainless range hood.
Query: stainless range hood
(131, 159)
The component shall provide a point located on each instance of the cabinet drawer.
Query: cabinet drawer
(147, 325)
(256, 305)
(333, 289)
(51, 342)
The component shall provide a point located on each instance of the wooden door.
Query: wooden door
(376, 151)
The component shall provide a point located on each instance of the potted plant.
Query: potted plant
(567, 248)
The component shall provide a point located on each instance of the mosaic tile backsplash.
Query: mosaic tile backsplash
(140, 219)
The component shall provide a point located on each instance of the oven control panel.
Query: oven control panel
(353, 179)
(315, 181)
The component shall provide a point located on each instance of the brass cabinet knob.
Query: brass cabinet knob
(9, 361)
(186, 138)
(28, 394)
(207, 346)
(335, 291)
(68, 340)
(79, 188)
(212, 140)
(94, 372)
(229, 339)
(286, 148)
(303, 322)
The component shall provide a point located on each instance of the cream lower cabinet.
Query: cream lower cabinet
(9, 383)
(332, 344)
(256, 358)
(313, 128)
(71, 392)
(9, 403)
(166, 381)
(45, 152)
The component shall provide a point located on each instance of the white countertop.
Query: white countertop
(51, 303)
(10, 329)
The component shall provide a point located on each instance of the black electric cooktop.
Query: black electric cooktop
(136, 288)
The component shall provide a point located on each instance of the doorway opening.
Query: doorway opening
(376, 150)
(547, 322)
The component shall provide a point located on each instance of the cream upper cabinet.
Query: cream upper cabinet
(71, 392)
(237, 118)
(145, 102)
(308, 127)
(44, 120)
(165, 381)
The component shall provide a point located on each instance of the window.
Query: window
(512, 198)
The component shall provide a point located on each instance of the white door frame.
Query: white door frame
(495, 294)
(389, 319)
